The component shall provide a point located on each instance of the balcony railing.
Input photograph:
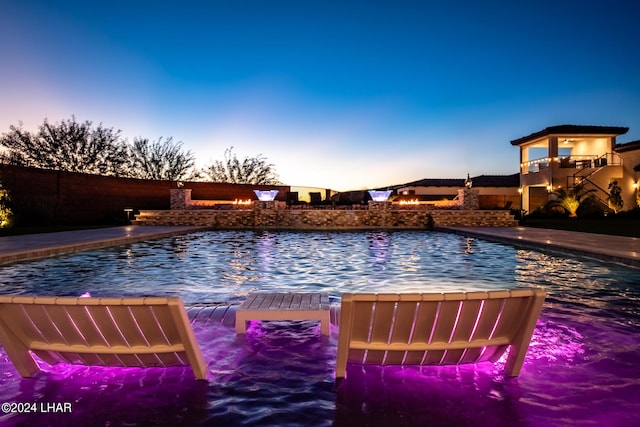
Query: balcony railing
(580, 162)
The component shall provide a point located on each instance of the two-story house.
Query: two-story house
(569, 155)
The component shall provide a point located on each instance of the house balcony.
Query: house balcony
(566, 171)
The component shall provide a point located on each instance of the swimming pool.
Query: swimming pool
(581, 368)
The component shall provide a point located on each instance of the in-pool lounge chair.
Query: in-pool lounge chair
(437, 328)
(142, 332)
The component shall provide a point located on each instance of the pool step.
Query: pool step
(225, 314)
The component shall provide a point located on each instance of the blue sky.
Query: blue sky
(337, 94)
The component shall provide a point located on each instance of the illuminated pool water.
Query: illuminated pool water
(581, 369)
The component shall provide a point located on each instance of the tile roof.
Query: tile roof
(478, 181)
(571, 130)
(627, 146)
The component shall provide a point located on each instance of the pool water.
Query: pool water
(581, 369)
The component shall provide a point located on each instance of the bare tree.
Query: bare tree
(68, 146)
(160, 159)
(250, 170)
(13, 158)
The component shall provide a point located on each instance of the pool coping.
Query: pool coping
(599, 247)
(43, 245)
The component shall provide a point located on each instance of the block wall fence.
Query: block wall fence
(44, 197)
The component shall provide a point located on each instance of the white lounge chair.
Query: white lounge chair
(437, 329)
(140, 332)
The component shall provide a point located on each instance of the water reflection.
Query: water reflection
(266, 246)
(467, 244)
(379, 249)
(181, 246)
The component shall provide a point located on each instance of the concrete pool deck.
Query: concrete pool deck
(622, 250)
(601, 247)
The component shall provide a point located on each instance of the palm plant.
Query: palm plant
(615, 196)
(571, 199)
(6, 216)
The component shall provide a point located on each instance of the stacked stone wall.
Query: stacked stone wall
(261, 218)
(475, 218)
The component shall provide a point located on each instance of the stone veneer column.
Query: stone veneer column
(468, 199)
(273, 205)
(382, 206)
(179, 198)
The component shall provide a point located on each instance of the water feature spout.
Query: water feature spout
(380, 196)
(266, 196)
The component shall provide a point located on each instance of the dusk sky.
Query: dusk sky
(337, 94)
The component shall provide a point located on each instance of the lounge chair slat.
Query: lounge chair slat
(20, 322)
(425, 322)
(361, 323)
(405, 317)
(453, 357)
(65, 323)
(433, 357)
(412, 358)
(84, 321)
(511, 312)
(122, 326)
(107, 331)
(39, 318)
(148, 321)
(490, 315)
(382, 321)
(374, 357)
(394, 357)
(466, 322)
(445, 320)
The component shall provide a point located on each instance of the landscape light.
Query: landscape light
(467, 182)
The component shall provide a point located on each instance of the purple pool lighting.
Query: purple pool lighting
(581, 368)
(380, 196)
(282, 373)
(266, 196)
